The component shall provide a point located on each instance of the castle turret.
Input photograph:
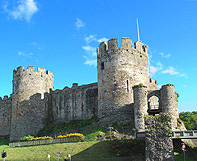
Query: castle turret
(140, 106)
(28, 103)
(169, 103)
(119, 69)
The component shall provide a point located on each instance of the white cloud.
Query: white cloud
(91, 38)
(90, 50)
(184, 85)
(103, 39)
(25, 10)
(156, 68)
(171, 70)
(164, 55)
(153, 70)
(21, 53)
(34, 43)
(159, 65)
(90, 55)
(183, 75)
(91, 62)
(160, 53)
(79, 23)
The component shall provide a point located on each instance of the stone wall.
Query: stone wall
(152, 84)
(159, 145)
(76, 103)
(5, 111)
(119, 69)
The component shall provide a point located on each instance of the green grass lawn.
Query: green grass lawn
(180, 157)
(87, 151)
(81, 151)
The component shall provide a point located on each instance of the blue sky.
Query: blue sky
(62, 36)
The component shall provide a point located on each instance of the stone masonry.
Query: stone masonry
(123, 93)
(159, 145)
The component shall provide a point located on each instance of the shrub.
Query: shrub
(27, 138)
(125, 148)
(81, 136)
(140, 84)
(42, 138)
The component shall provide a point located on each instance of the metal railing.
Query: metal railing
(175, 134)
(45, 142)
(184, 134)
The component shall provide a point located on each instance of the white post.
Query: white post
(58, 155)
(49, 156)
(69, 157)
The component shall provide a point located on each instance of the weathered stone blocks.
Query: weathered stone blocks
(159, 145)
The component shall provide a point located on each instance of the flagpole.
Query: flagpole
(138, 30)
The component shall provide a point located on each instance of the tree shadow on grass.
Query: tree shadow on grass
(101, 152)
(4, 142)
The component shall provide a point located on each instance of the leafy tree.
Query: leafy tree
(189, 119)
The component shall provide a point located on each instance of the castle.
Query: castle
(124, 93)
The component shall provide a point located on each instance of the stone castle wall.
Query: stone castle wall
(159, 145)
(5, 112)
(119, 69)
(76, 103)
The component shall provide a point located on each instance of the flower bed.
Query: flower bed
(81, 136)
(31, 140)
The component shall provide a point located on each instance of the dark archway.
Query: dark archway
(154, 103)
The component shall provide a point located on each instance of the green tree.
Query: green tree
(189, 119)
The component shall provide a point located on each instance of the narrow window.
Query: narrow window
(127, 86)
(102, 66)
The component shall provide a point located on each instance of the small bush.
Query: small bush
(94, 134)
(41, 138)
(126, 148)
(81, 136)
(27, 138)
(140, 84)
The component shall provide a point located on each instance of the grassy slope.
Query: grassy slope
(81, 150)
(180, 157)
(84, 151)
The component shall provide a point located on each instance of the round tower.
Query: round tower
(119, 69)
(28, 101)
(140, 106)
(169, 103)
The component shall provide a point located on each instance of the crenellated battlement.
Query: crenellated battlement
(5, 98)
(31, 70)
(113, 46)
(153, 81)
(167, 86)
